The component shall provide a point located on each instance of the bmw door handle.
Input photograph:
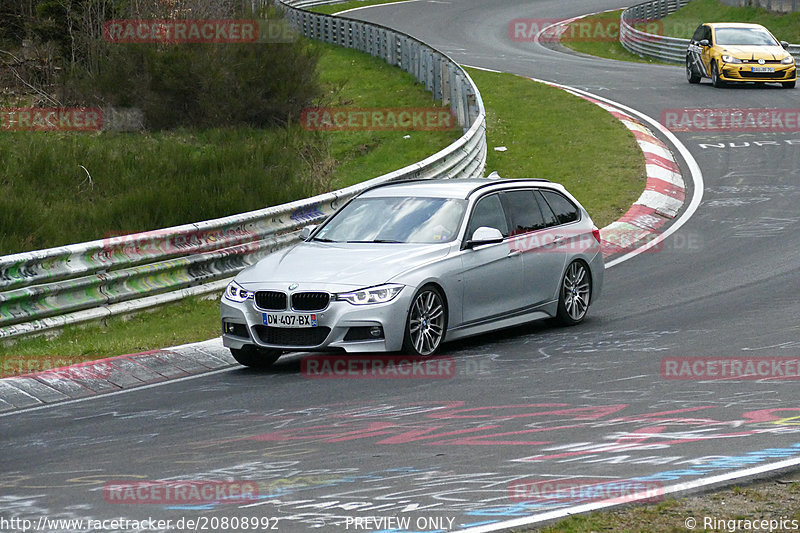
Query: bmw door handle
(513, 253)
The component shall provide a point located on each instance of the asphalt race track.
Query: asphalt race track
(527, 406)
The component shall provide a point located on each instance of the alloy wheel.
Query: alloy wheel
(575, 291)
(426, 322)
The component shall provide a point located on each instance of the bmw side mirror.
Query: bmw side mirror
(785, 45)
(306, 232)
(704, 43)
(485, 235)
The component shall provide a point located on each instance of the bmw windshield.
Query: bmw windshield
(395, 219)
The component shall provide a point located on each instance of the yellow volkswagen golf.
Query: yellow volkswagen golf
(730, 51)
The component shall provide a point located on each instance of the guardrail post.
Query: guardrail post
(444, 76)
(391, 49)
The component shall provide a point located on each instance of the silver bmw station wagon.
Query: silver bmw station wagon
(408, 265)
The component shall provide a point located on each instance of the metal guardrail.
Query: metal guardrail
(660, 47)
(69, 284)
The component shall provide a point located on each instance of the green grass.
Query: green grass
(606, 175)
(545, 131)
(336, 8)
(642, 519)
(604, 46)
(137, 181)
(355, 79)
(683, 23)
(144, 181)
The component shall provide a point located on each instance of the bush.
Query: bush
(202, 85)
(258, 84)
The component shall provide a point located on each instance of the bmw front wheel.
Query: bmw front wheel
(427, 320)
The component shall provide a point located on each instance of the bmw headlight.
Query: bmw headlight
(373, 295)
(236, 293)
(788, 60)
(731, 59)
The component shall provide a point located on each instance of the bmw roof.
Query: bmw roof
(449, 188)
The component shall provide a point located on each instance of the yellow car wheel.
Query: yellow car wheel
(691, 75)
(715, 79)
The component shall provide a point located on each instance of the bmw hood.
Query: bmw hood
(353, 264)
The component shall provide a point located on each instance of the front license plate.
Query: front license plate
(284, 320)
(763, 69)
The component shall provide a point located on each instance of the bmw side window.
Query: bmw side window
(563, 209)
(524, 212)
(488, 212)
(547, 213)
(698, 34)
(707, 35)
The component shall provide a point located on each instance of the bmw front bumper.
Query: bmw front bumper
(341, 326)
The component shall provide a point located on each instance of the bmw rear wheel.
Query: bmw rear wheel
(255, 357)
(574, 294)
(426, 324)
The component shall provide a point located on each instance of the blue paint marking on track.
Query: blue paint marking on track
(736, 461)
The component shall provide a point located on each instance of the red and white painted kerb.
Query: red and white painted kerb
(664, 193)
(663, 197)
